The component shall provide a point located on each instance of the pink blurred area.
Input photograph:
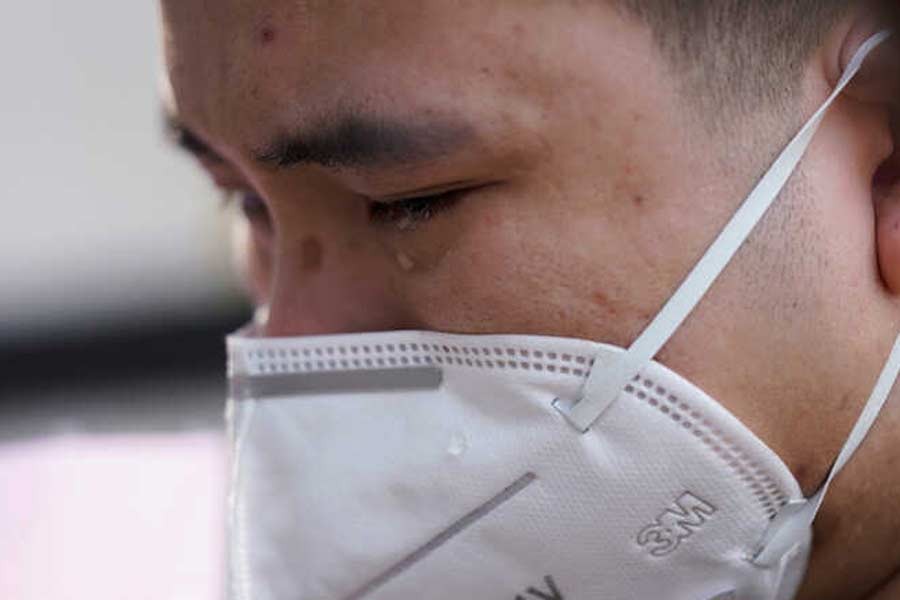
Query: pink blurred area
(118, 517)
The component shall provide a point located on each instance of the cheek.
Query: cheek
(470, 268)
(253, 261)
(504, 272)
(848, 238)
(838, 210)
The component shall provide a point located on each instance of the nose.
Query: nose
(329, 274)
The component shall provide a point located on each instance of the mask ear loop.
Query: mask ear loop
(607, 381)
(793, 522)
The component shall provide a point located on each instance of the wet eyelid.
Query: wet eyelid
(429, 191)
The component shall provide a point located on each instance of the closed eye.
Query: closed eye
(407, 213)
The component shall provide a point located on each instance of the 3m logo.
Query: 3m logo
(551, 593)
(679, 522)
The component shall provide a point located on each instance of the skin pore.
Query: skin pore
(533, 167)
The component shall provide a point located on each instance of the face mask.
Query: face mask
(417, 465)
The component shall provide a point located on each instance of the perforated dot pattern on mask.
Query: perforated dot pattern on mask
(381, 356)
(760, 484)
(334, 358)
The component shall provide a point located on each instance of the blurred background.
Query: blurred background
(116, 292)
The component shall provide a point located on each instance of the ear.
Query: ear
(879, 79)
(886, 193)
(877, 86)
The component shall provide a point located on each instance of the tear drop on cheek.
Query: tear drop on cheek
(405, 262)
(405, 224)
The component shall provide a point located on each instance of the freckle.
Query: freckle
(406, 263)
(312, 254)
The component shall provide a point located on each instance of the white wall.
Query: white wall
(101, 219)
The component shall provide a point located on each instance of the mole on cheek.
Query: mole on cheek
(312, 254)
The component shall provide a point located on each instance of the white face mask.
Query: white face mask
(425, 466)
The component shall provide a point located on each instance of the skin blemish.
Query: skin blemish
(312, 254)
(602, 300)
(639, 200)
(267, 35)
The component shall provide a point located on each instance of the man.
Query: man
(556, 168)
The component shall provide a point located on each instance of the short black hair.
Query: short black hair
(740, 52)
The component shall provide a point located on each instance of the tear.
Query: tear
(405, 261)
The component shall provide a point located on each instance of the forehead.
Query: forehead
(245, 69)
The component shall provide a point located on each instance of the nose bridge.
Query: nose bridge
(329, 274)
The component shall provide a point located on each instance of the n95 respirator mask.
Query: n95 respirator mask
(428, 466)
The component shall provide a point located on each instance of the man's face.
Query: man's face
(523, 166)
(527, 121)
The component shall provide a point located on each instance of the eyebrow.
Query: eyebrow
(366, 141)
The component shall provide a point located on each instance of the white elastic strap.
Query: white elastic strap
(795, 519)
(607, 381)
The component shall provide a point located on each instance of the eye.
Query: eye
(406, 214)
(252, 206)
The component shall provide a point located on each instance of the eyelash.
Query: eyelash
(405, 214)
(408, 213)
